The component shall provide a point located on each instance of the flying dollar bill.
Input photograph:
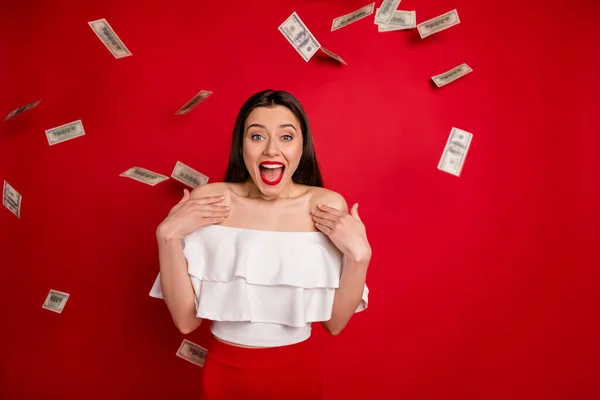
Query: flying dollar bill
(354, 16)
(386, 11)
(401, 20)
(188, 176)
(110, 39)
(333, 55)
(145, 176)
(65, 132)
(197, 99)
(299, 36)
(192, 352)
(11, 199)
(455, 152)
(55, 301)
(20, 110)
(452, 75)
(438, 24)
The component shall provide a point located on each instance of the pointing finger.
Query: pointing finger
(324, 215)
(331, 210)
(209, 200)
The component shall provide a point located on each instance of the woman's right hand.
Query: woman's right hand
(190, 214)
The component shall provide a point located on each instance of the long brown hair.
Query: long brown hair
(308, 172)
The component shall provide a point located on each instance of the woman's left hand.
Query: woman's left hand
(345, 230)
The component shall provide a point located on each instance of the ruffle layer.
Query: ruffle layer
(238, 274)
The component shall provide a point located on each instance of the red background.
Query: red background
(482, 287)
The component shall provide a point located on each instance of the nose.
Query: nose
(271, 148)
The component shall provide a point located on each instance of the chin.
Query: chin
(270, 189)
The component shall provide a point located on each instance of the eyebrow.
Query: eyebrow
(264, 127)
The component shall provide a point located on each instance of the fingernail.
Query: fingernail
(313, 211)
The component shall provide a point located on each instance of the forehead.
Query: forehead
(272, 115)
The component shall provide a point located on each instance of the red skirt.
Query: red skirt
(286, 372)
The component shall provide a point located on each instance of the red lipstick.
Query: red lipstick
(278, 166)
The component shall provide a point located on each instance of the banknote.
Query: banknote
(452, 75)
(192, 352)
(110, 39)
(455, 152)
(401, 20)
(188, 175)
(354, 16)
(145, 176)
(333, 55)
(299, 36)
(20, 110)
(386, 11)
(438, 24)
(11, 199)
(197, 99)
(55, 301)
(65, 132)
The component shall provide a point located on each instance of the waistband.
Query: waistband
(268, 357)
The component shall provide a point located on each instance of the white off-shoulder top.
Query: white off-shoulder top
(262, 288)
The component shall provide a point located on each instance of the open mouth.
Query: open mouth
(271, 172)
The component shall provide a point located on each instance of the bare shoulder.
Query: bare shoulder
(329, 198)
(211, 189)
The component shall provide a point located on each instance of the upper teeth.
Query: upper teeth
(272, 166)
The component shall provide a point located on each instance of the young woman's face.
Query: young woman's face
(272, 147)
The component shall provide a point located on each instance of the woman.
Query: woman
(263, 255)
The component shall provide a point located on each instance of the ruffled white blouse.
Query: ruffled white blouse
(262, 288)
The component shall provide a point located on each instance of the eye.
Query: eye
(255, 136)
(287, 137)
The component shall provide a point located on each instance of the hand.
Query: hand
(190, 214)
(346, 231)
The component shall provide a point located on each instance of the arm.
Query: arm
(176, 284)
(192, 212)
(348, 233)
(348, 295)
